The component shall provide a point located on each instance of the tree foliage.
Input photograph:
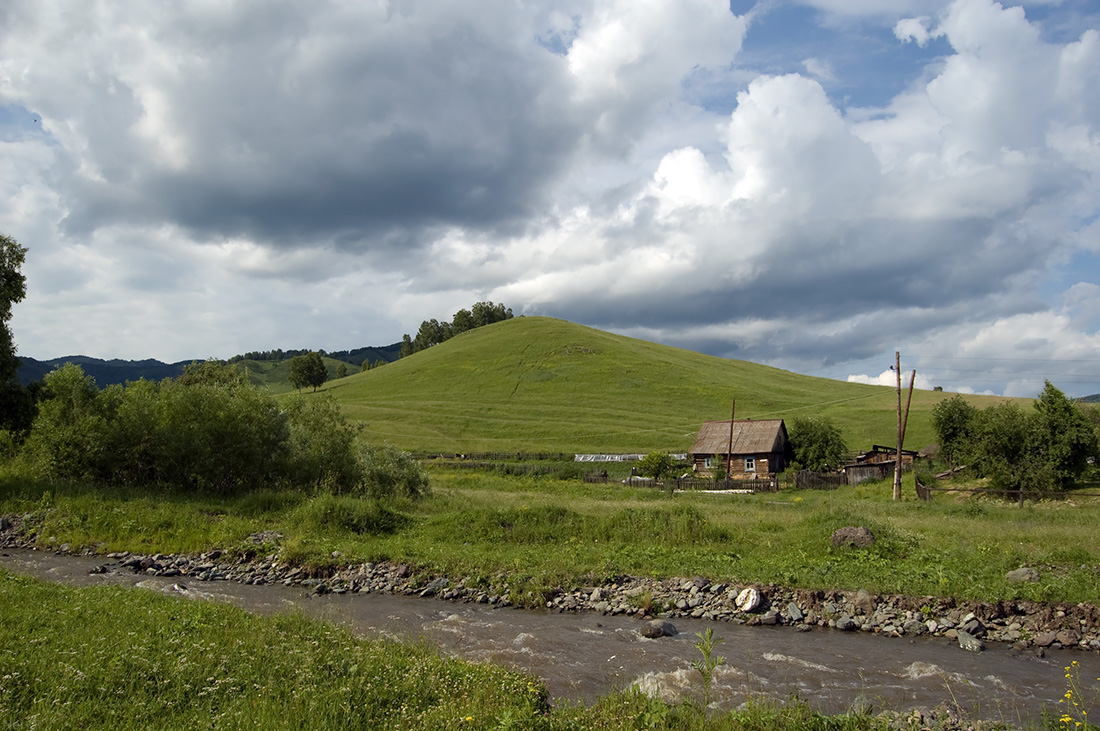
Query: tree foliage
(214, 433)
(817, 443)
(433, 332)
(1047, 448)
(656, 465)
(16, 402)
(308, 370)
(951, 420)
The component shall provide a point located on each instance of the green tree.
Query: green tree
(462, 321)
(1044, 449)
(212, 372)
(1001, 444)
(951, 420)
(308, 370)
(322, 445)
(817, 443)
(16, 402)
(68, 438)
(432, 332)
(656, 465)
(1067, 441)
(341, 371)
(486, 313)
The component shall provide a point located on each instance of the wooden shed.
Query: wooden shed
(759, 448)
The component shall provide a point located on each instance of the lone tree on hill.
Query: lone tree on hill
(308, 370)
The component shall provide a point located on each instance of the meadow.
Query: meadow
(542, 533)
(535, 384)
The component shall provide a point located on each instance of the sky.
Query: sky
(810, 184)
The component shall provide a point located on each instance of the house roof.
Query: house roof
(749, 437)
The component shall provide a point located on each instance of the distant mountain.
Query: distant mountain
(1093, 399)
(105, 372)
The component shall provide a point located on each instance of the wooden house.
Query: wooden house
(759, 448)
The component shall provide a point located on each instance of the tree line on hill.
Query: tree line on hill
(433, 332)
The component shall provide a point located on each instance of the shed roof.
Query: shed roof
(749, 437)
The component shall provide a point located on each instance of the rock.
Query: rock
(852, 536)
(794, 613)
(973, 627)
(1045, 639)
(5, 524)
(748, 600)
(914, 627)
(969, 642)
(864, 602)
(845, 623)
(770, 617)
(1067, 637)
(658, 628)
(1022, 575)
(434, 587)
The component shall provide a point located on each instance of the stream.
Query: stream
(584, 655)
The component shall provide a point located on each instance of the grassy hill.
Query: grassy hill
(274, 375)
(539, 384)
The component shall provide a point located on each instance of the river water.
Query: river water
(582, 656)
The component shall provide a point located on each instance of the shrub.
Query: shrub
(389, 472)
(328, 512)
(321, 445)
(209, 431)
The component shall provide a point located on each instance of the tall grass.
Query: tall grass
(114, 658)
(546, 533)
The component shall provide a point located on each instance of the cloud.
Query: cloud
(336, 172)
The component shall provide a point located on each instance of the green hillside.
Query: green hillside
(274, 375)
(539, 384)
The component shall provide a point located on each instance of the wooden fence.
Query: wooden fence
(924, 492)
(807, 480)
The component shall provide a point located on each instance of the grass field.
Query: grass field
(545, 533)
(535, 384)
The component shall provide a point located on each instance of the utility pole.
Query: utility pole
(729, 449)
(903, 421)
(897, 457)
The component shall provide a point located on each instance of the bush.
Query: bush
(321, 445)
(389, 472)
(210, 431)
(328, 512)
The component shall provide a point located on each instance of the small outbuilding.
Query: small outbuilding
(749, 447)
(878, 453)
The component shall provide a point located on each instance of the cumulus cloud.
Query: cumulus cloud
(198, 166)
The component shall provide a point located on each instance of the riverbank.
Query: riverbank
(104, 655)
(1026, 625)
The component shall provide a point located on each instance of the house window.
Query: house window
(708, 463)
(750, 464)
